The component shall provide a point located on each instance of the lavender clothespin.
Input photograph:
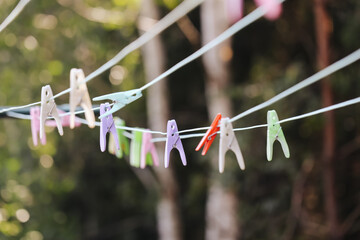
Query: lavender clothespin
(107, 125)
(173, 141)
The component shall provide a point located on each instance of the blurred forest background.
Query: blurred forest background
(68, 189)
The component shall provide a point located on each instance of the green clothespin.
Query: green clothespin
(274, 132)
(123, 141)
(135, 149)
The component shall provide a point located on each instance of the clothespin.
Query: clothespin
(48, 109)
(148, 147)
(79, 95)
(210, 135)
(228, 142)
(173, 141)
(274, 132)
(234, 10)
(123, 141)
(107, 125)
(135, 149)
(65, 121)
(120, 100)
(273, 8)
(35, 125)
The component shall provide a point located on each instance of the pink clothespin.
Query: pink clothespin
(48, 109)
(235, 10)
(65, 121)
(173, 141)
(273, 8)
(35, 125)
(107, 125)
(148, 146)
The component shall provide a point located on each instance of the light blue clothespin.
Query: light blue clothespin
(120, 100)
(274, 132)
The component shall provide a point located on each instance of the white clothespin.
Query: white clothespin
(79, 95)
(228, 142)
(48, 109)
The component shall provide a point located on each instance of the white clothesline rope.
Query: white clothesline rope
(14, 13)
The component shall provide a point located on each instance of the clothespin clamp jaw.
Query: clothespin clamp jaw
(35, 125)
(107, 125)
(79, 95)
(173, 141)
(148, 147)
(210, 135)
(120, 100)
(274, 132)
(228, 141)
(273, 8)
(135, 149)
(48, 109)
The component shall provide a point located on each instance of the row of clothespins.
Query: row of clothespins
(141, 143)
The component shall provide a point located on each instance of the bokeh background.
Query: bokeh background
(68, 189)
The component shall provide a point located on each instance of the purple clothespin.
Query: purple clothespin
(173, 141)
(273, 8)
(234, 10)
(148, 146)
(107, 125)
(35, 126)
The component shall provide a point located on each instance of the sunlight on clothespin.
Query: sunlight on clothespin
(48, 109)
(210, 135)
(120, 100)
(35, 126)
(228, 141)
(173, 141)
(107, 125)
(149, 155)
(235, 10)
(274, 132)
(273, 8)
(135, 149)
(79, 95)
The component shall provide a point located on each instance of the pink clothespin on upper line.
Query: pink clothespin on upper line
(107, 125)
(48, 109)
(273, 8)
(173, 141)
(148, 147)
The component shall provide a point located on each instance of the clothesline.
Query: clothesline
(14, 13)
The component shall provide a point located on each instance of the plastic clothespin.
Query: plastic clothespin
(210, 135)
(107, 125)
(173, 141)
(228, 142)
(35, 125)
(123, 141)
(135, 149)
(148, 147)
(274, 132)
(120, 99)
(234, 10)
(273, 8)
(65, 121)
(79, 95)
(48, 109)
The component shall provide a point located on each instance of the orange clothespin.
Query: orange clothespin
(210, 135)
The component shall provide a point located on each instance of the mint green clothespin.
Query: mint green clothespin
(135, 149)
(274, 132)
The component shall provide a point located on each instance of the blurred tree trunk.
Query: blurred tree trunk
(323, 30)
(222, 202)
(168, 217)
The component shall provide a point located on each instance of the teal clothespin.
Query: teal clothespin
(120, 99)
(123, 141)
(274, 132)
(135, 149)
